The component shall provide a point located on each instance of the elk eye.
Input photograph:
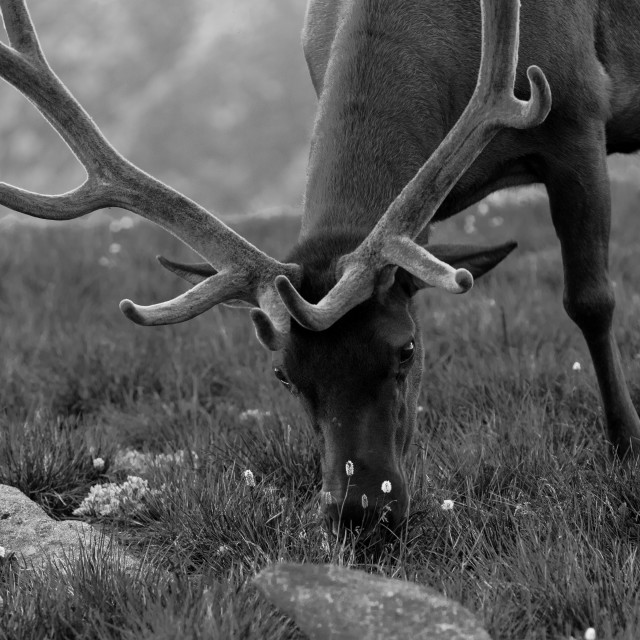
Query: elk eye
(281, 376)
(406, 353)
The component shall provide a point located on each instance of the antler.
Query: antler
(244, 272)
(492, 108)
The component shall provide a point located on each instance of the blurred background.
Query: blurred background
(212, 96)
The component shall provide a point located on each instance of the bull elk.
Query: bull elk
(401, 139)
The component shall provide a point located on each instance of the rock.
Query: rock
(35, 538)
(331, 602)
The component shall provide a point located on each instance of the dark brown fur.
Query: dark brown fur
(392, 77)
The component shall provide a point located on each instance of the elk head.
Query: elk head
(338, 313)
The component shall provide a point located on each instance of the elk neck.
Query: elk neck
(382, 111)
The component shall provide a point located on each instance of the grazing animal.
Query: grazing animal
(401, 139)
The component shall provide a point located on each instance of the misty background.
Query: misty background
(211, 96)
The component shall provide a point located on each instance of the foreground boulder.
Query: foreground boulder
(35, 538)
(331, 602)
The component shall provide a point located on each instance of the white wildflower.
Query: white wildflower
(483, 208)
(98, 464)
(365, 501)
(523, 509)
(140, 462)
(590, 634)
(324, 543)
(3, 552)
(496, 221)
(470, 224)
(132, 460)
(257, 415)
(104, 261)
(122, 500)
(114, 247)
(576, 366)
(249, 478)
(349, 468)
(447, 505)
(386, 487)
(124, 223)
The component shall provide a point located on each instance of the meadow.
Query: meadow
(543, 536)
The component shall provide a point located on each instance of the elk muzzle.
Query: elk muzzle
(372, 497)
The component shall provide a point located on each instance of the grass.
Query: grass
(541, 542)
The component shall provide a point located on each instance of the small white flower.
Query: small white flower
(327, 498)
(447, 505)
(386, 487)
(249, 478)
(324, 543)
(104, 262)
(114, 247)
(125, 499)
(349, 468)
(483, 208)
(576, 366)
(98, 464)
(590, 634)
(124, 223)
(470, 224)
(420, 409)
(523, 509)
(254, 415)
(365, 501)
(3, 552)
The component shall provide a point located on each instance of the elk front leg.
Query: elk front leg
(579, 195)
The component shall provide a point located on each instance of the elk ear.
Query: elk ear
(477, 260)
(265, 331)
(193, 273)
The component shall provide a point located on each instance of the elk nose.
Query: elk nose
(365, 511)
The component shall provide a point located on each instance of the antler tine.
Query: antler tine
(113, 181)
(492, 108)
(197, 300)
(20, 29)
(354, 286)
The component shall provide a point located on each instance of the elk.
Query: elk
(401, 139)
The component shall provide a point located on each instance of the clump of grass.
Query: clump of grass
(93, 597)
(52, 462)
(542, 538)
